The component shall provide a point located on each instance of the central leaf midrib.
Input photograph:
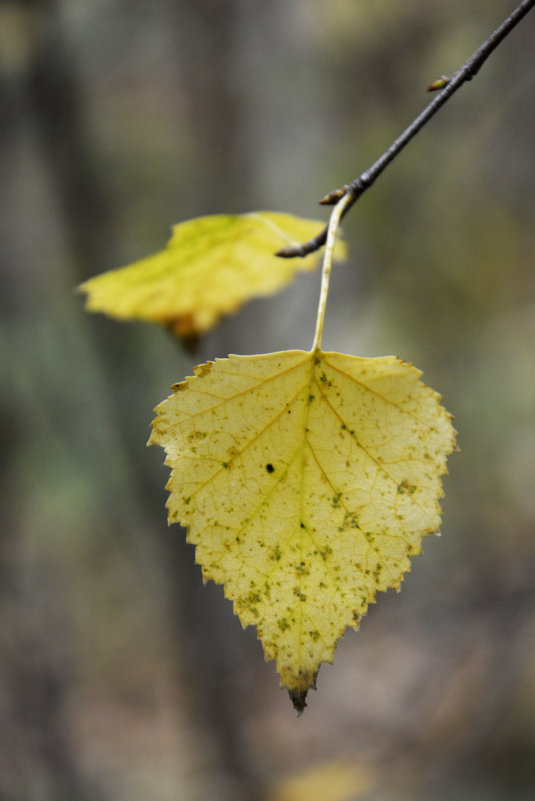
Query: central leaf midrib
(307, 400)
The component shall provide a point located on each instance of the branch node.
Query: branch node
(360, 184)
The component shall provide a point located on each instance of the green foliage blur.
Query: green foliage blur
(122, 677)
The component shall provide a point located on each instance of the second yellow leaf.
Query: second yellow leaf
(210, 267)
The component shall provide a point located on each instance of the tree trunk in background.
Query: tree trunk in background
(207, 36)
(213, 664)
(35, 741)
(208, 636)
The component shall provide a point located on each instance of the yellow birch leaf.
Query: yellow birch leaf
(337, 780)
(210, 267)
(306, 480)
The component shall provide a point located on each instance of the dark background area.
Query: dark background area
(122, 678)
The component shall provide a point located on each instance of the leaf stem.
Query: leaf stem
(337, 213)
(357, 187)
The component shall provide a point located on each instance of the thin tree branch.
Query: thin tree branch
(357, 187)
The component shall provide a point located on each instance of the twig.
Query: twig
(357, 187)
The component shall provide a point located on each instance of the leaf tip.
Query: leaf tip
(298, 699)
(298, 696)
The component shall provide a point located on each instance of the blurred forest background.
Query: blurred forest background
(122, 678)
